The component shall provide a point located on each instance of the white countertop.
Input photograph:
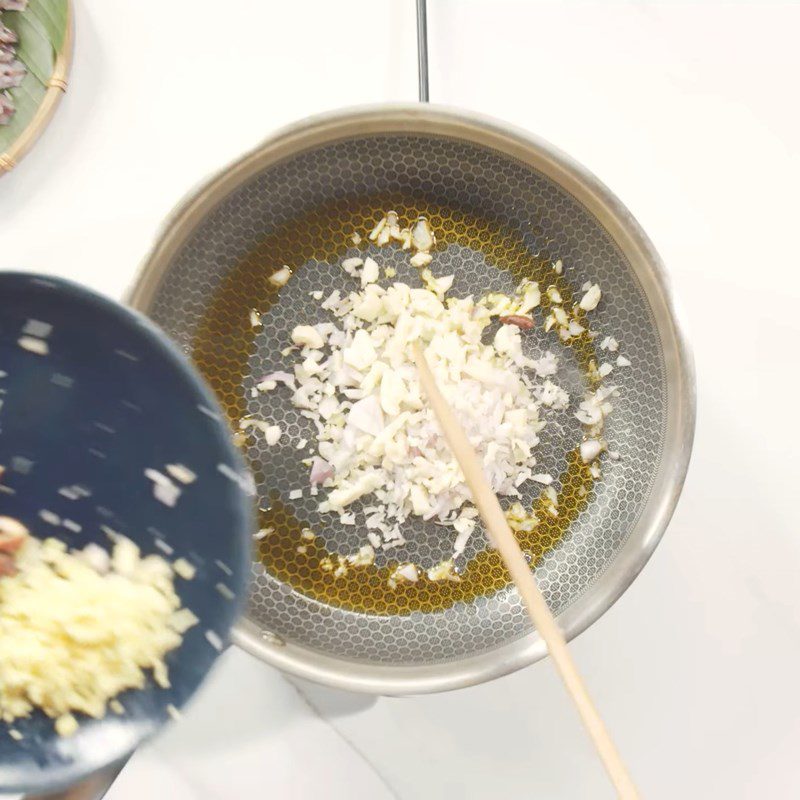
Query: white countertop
(689, 112)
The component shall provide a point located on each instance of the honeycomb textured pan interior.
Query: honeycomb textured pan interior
(496, 221)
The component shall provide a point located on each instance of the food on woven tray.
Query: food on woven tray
(12, 70)
(380, 458)
(78, 627)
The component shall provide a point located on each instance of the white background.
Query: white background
(689, 112)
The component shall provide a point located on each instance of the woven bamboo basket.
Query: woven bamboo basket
(56, 88)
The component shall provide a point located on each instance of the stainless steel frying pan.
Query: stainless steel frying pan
(504, 204)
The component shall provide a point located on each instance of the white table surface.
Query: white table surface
(689, 112)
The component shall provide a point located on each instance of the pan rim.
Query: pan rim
(627, 234)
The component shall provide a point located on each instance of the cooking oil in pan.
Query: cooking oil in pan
(290, 557)
(222, 348)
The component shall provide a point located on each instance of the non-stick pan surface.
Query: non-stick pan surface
(504, 206)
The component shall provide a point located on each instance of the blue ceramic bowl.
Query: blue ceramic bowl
(111, 398)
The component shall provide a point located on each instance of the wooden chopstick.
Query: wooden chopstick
(506, 544)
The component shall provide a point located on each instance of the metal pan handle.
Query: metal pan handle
(422, 49)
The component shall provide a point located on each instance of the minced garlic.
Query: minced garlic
(73, 637)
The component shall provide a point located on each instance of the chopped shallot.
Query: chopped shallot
(590, 449)
(281, 277)
(321, 470)
(377, 440)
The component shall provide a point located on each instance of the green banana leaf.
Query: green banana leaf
(41, 29)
